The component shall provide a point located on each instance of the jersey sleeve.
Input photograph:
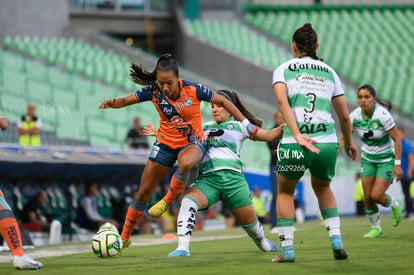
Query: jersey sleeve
(145, 94)
(278, 76)
(337, 86)
(387, 120)
(204, 93)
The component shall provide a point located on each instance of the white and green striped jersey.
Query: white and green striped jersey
(224, 142)
(377, 145)
(311, 85)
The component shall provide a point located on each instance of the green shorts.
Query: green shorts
(225, 185)
(377, 169)
(293, 160)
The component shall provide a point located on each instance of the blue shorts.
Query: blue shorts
(167, 156)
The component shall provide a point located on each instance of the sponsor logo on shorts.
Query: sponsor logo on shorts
(290, 154)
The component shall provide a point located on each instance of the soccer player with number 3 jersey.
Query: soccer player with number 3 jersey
(305, 88)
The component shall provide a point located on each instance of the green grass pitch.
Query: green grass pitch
(390, 254)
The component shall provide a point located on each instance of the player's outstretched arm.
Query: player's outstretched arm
(119, 102)
(269, 135)
(345, 124)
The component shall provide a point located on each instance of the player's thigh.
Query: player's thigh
(323, 164)
(152, 175)
(236, 192)
(209, 186)
(198, 197)
(378, 190)
(245, 215)
(188, 157)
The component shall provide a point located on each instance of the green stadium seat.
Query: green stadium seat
(39, 92)
(66, 98)
(13, 103)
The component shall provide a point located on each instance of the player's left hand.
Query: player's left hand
(307, 142)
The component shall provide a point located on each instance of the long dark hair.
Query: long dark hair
(143, 77)
(386, 103)
(234, 98)
(306, 39)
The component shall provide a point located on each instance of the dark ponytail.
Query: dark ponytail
(143, 77)
(386, 103)
(234, 98)
(306, 40)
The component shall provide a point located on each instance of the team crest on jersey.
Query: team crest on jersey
(374, 125)
(177, 119)
(188, 101)
(179, 106)
(230, 127)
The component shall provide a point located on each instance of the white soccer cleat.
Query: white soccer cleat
(26, 262)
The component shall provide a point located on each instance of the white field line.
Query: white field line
(70, 249)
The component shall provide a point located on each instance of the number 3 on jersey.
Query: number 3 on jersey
(311, 102)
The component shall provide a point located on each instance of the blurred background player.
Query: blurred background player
(406, 166)
(272, 145)
(259, 205)
(309, 138)
(180, 137)
(359, 195)
(34, 218)
(135, 137)
(10, 231)
(29, 127)
(380, 160)
(88, 215)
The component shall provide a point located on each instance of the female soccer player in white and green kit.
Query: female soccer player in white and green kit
(380, 159)
(221, 177)
(305, 88)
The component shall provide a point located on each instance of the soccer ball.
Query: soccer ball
(108, 226)
(106, 243)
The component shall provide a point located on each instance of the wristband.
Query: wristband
(249, 126)
(397, 162)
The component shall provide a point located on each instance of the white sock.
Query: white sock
(286, 235)
(394, 203)
(185, 223)
(375, 220)
(333, 225)
(256, 233)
